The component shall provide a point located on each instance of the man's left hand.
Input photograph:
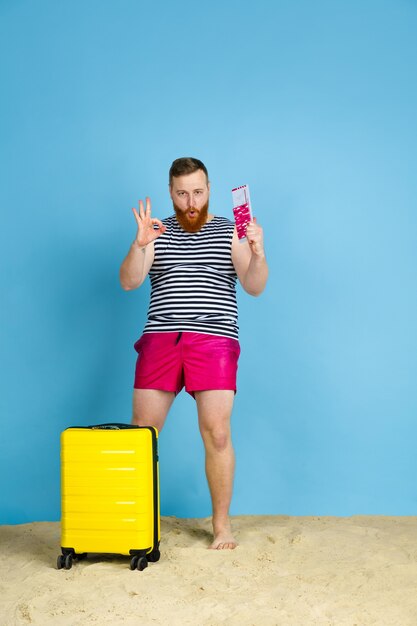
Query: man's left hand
(255, 237)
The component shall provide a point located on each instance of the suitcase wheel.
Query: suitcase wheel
(64, 561)
(138, 562)
(68, 561)
(142, 563)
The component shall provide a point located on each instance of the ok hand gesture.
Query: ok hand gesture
(146, 231)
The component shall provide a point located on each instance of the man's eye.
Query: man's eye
(198, 192)
(181, 193)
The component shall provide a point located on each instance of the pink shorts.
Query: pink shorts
(168, 361)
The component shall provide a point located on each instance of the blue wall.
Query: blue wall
(314, 105)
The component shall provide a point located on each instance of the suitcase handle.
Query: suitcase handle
(112, 426)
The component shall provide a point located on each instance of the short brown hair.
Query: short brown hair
(184, 166)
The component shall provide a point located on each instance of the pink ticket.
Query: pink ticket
(242, 209)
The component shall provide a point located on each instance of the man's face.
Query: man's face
(190, 195)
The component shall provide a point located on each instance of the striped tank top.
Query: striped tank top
(193, 280)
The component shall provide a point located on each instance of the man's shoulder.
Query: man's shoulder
(224, 222)
(168, 220)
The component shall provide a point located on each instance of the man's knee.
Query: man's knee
(217, 439)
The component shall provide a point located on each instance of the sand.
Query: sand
(296, 571)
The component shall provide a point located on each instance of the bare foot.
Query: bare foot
(224, 540)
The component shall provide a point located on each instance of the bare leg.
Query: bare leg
(151, 406)
(214, 411)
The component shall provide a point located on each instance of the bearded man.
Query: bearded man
(190, 340)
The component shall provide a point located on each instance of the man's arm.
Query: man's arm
(136, 266)
(249, 259)
(139, 259)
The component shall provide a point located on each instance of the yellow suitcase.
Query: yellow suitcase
(110, 493)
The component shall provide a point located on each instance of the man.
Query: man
(191, 338)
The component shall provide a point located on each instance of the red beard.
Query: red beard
(196, 222)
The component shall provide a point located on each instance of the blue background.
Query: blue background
(314, 105)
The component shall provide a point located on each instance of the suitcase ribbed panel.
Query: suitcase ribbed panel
(108, 491)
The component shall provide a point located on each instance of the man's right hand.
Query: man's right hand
(146, 231)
